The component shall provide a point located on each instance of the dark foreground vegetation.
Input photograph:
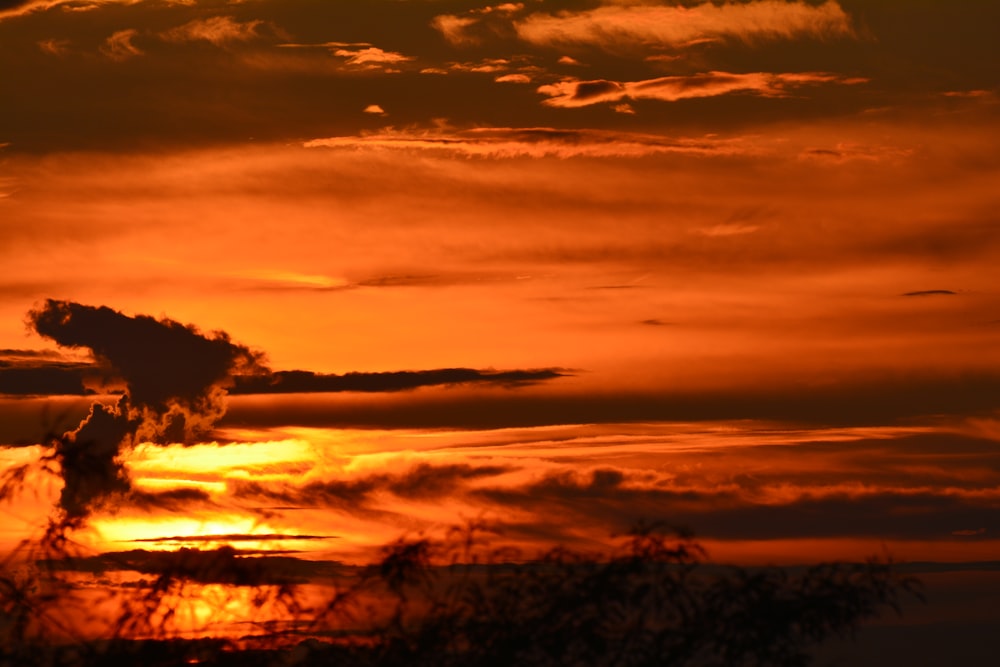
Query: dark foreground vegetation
(458, 601)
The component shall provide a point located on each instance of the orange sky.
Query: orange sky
(748, 250)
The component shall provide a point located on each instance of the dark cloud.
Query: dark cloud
(422, 482)
(428, 481)
(931, 292)
(89, 461)
(588, 90)
(237, 537)
(44, 378)
(171, 500)
(905, 462)
(345, 495)
(606, 498)
(78, 379)
(175, 379)
(32, 420)
(9, 355)
(874, 400)
(225, 565)
(174, 374)
(286, 382)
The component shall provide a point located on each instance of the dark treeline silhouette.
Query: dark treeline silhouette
(651, 600)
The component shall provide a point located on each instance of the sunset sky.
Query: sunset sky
(558, 264)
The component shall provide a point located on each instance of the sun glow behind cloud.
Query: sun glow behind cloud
(725, 477)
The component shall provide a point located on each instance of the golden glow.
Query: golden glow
(213, 462)
(170, 533)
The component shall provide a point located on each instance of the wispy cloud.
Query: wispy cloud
(501, 142)
(454, 28)
(356, 492)
(618, 26)
(574, 93)
(219, 30)
(119, 46)
(493, 65)
(473, 26)
(54, 47)
(847, 152)
(348, 56)
(14, 8)
(287, 382)
(370, 57)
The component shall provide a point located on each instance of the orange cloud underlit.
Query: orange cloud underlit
(573, 93)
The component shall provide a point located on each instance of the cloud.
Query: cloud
(224, 565)
(931, 292)
(172, 500)
(571, 93)
(172, 371)
(513, 78)
(62, 378)
(455, 28)
(239, 537)
(13, 8)
(286, 382)
(89, 459)
(175, 379)
(370, 57)
(375, 109)
(627, 26)
(609, 498)
(54, 47)
(476, 25)
(507, 142)
(513, 64)
(358, 494)
(430, 481)
(219, 30)
(862, 400)
(40, 376)
(120, 47)
(847, 152)
(894, 486)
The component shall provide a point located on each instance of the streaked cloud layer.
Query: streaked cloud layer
(730, 264)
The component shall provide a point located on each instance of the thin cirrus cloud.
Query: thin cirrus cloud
(14, 8)
(619, 26)
(573, 93)
(506, 142)
(119, 45)
(54, 47)
(218, 30)
(476, 25)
